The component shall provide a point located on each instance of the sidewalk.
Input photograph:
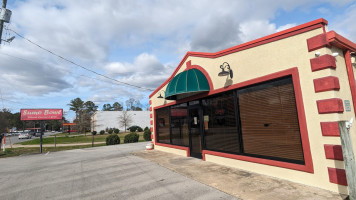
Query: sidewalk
(52, 145)
(241, 184)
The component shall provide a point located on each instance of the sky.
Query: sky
(139, 42)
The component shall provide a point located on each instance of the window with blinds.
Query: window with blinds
(269, 121)
(258, 121)
(220, 127)
(162, 125)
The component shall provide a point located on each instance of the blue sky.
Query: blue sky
(138, 42)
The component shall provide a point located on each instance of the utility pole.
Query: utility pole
(4, 2)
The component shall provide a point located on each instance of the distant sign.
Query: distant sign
(41, 114)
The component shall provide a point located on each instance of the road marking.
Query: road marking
(47, 153)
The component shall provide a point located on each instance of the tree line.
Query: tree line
(85, 110)
(131, 104)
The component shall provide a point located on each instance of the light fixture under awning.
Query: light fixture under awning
(190, 81)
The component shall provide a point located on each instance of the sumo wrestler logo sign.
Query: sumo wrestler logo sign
(41, 114)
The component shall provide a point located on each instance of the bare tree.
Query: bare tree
(125, 119)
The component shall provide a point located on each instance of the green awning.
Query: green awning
(190, 81)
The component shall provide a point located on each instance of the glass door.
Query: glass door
(195, 131)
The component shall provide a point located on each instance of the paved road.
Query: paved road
(108, 172)
(15, 138)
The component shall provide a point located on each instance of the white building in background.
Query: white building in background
(111, 119)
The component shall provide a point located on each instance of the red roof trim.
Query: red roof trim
(267, 39)
(339, 41)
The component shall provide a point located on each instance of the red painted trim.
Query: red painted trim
(151, 136)
(151, 122)
(190, 66)
(330, 128)
(317, 42)
(165, 105)
(258, 160)
(333, 152)
(333, 105)
(337, 176)
(151, 129)
(150, 102)
(175, 147)
(150, 108)
(326, 84)
(308, 167)
(323, 62)
(154, 125)
(350, 74)
(329, 39)
(339, 41)
(264, 40)
(151, 115)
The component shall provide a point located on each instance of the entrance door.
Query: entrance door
(195, 131)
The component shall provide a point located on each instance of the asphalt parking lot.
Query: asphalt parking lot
(15, 138)
(108, 172)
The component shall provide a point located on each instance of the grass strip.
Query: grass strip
(10, 152)
(68, 139)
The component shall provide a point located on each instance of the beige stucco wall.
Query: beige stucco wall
(275, 57)
(171, 150)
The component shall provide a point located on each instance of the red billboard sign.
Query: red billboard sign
(41, 114)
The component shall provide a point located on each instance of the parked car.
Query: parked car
(32, 133)
(24, 136)
(38, 134)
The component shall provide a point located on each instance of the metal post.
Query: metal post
(55, 145)
(2, 22)
(349, 159)
(41, 128)
(92, 141)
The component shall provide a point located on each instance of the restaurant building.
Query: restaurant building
(269, 106)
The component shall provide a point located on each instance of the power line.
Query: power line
(27, 60)
(78, 65)
(24, 59)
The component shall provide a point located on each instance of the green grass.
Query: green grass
(70, 139)
(33, 150)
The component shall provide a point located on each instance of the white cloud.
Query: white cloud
(344, 24)
(254, 29)
(110, 36)
(287, 26)
(146, 71)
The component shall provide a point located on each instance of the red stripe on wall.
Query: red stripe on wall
(151, 115)
(337, 176)
(151, 122)
(350, 73)
(333, 152)
(326, 84)
(323, 62)
(333, 105)
(151, 129)
(330, 128)
(317, 42)
(150, 102)
(150, 108)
